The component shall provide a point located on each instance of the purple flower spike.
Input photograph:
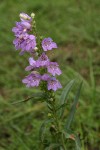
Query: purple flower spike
(53, 68)
(53, 84)
(43, 60)
(48, 44)
(32, 80)
(32, 63)
(29, 43)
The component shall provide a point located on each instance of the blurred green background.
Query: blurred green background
(75, 26)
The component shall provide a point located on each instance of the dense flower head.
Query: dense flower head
(48, 44)
(53, 68)
(32, 80)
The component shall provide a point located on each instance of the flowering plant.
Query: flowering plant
(43, 74)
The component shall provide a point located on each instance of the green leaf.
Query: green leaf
(36, 96)
(73, 108)
(71, 135)
(64, 95)
(59, 107)
(49, 106)
(43, 129)
(54, 145)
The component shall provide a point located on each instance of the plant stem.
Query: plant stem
(59, 136)
(63, 142)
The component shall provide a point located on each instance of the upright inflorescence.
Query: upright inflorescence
(42, 69)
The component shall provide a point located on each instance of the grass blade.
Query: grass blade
(36, 95)
(73, 108)
(64, 95)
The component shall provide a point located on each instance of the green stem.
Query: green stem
(57, 133)
(63, 142)
(59, 136)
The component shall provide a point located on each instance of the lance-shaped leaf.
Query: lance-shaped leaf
(64, 95)
(61, 106)
(43, 129)
(36, 96)
(73, 108)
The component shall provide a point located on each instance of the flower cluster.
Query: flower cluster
(42, 69)
(24, 40)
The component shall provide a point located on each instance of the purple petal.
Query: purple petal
(28, 68)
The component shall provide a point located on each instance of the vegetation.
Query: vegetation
(75, 26)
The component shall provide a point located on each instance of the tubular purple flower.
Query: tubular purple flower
(18, 41)
(25, 42)
(43, 60)
(32, 80)
(29, 43)
(18, 29)
(32, 65)
(26, 25)
(21, 27)
(48, 44)
(53, 68)
(32, 62)
(53, 84)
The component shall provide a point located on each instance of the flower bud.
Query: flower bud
(32, 15)
(35, 48)
(51, 99)
(49, 115)
(37, 53)
(36, 72)
(24, 16)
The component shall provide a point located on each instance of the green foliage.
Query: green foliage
(75, 26)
